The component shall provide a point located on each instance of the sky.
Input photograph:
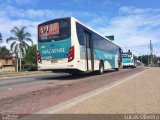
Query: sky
(133, 22)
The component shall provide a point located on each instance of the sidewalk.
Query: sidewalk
(139, 95)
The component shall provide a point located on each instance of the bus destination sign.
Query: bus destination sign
(48, 30)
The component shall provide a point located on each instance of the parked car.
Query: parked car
(32, 68)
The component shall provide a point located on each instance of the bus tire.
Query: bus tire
(74, 73)
(101, 68)
(117, 69)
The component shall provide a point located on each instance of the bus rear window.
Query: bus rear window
(126, 55)
(54, 30)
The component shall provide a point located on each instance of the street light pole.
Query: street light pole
(17, 59)
(20, 60)
(17, 62)
(19, 56)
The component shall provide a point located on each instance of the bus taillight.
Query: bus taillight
(71, 54)
(38, 57)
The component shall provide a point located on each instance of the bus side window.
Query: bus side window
(87, 39)
(80, 34)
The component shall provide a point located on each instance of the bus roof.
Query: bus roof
(53, 20)
(92, 30)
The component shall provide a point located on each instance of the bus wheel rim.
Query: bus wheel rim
(101, 69)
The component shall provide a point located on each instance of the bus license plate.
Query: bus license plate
(54, 61)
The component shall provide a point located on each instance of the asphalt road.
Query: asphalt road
(10, 83)
(25, 95)
(22, 81)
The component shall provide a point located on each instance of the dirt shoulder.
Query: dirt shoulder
(140, 94)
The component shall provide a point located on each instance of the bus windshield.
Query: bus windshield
(54, 30)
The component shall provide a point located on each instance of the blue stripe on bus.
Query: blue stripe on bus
(54, 49)
(126, 60)
(105, 56)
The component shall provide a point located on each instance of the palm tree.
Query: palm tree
(19, 41)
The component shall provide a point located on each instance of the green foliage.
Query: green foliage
(146, 59)
(30, 58)
(155, 59)
(135, 57)
(19, 40)
(3, 51)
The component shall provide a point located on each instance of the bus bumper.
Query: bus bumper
(55, 67)
(128, 64)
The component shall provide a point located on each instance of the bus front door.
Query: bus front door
(89, 51)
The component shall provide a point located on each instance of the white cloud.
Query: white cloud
(9, 24)
(134, 27)
(134, 10)
(11, 16)
(45, 14)
(7, 17)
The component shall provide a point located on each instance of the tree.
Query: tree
(3, 51)
(146, 59)
(19, 41)
(30, 58)
(155, 59)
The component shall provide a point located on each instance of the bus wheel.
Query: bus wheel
(101, 68)
(116, 69)
(75, 73)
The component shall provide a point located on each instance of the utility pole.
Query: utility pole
(20, 57)
(20, 61)
(1, 40)
(151, 51)
(17, 63)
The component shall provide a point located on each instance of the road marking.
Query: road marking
(72, 102)
(9, 88)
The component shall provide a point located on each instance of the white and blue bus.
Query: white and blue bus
(67, 45)
(128, 59)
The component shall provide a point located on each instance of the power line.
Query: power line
(135, 46)
(156, 46)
